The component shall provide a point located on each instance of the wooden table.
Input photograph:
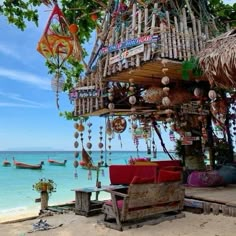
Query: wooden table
(84, 205)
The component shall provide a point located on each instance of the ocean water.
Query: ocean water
(17, 195)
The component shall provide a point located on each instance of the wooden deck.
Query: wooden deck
(215, 199)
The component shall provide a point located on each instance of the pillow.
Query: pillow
(140, 180)
(168, 176)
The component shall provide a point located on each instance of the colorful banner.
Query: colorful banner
(129, 44)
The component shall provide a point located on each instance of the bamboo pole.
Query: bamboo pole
(179, 52)
(191, 41)
(200, 34)
(162, 40)
(194, 27)
(183, 40)
(174, 42)
(139, 34)
(152, 30)
(145, 32)
(133, 28)
(169, 39)
(186, 34)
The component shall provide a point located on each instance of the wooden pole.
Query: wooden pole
(44, 200)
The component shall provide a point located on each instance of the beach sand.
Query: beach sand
(190, 225)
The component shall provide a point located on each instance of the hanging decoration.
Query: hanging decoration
(154, 148)
(119, 124)
(100, 144)
(76, 153)
(56, 45)
(89, 144)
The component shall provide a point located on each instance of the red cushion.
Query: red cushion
(118, 202)
(168, 176)
(168, 163)
(140, 180)
(124, 174)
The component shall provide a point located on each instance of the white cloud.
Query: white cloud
(4, 49)
(17, 98)
(27, 78)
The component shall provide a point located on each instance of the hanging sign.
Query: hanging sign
(119, 124)
(127, 54)
(142, 133)
(129, 44)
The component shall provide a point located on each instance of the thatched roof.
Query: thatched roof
(218, 60)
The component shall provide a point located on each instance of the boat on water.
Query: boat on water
(6, 163)
(87, 162)
(22, 165)
(57, 163)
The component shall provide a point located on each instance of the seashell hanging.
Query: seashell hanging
(57, 84)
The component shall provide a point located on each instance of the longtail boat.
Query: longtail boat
(22, 165)
(6, 163)
(86, 162)
(57, 163)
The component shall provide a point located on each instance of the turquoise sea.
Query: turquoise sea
(17, 195)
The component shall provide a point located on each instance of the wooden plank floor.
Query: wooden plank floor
(224, 195)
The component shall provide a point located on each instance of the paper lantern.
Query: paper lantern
(166, 101)
(132, 100)
(212, 94)
(165, 80)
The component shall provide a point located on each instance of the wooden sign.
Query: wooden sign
(129, 44)
(127, 54)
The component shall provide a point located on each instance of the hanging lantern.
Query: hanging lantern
(100, 145)
(165, 80)
(212, 94)
(166, 101)
(132, 100)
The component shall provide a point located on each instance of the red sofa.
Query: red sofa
(160, 171)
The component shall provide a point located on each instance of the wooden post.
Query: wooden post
(44, 200)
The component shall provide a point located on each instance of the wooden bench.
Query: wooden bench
(142, 201)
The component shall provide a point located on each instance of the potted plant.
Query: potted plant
(45, 187)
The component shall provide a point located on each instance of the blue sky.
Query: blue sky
(29, 119)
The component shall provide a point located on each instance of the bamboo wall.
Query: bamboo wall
(176, 38)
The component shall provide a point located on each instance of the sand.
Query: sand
(190, 225)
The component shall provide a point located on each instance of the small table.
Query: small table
(83, 203)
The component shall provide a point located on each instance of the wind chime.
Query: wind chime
(76, 153)
(100, 144)
(109, 132)
(89, 144)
